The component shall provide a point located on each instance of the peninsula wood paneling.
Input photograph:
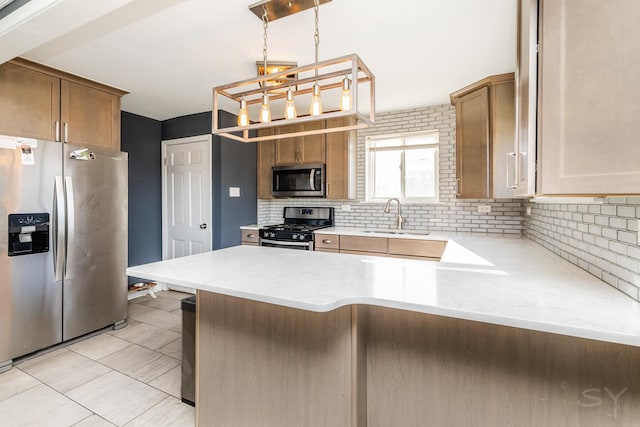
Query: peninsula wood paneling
(439, 371)
(271, 366)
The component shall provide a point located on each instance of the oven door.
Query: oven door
(305, 246)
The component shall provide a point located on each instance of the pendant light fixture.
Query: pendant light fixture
(329, 90)
(290, 112)
(315, 109)
(265, 110)
(243, 114)
(345, 99)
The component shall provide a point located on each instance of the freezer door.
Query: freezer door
(30, 297)
(95, 282)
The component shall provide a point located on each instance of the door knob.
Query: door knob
(203, 226)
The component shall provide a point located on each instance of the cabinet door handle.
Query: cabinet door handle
(66, 132)
(327, 241)
(57, 131)
(457, 187)
(510, 186)
(250, 236)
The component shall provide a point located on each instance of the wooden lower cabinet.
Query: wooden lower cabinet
(43, 103)
(416, 248)
(363, 244)
(250, 237)
(326, 242)
(429, 250)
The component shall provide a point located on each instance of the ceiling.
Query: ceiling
(169, 54)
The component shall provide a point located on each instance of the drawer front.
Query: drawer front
(327, 241)
(333, 251)
(363, 244)
(417, 248)
(363, 253)
(250, 236)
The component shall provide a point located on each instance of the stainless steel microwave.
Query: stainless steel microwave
(298, 181)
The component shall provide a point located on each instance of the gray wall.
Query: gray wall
(141, 139)
(233, 165)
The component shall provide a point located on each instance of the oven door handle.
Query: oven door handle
(312, 184)
(284, 243)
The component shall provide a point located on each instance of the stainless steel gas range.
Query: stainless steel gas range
(297, 230)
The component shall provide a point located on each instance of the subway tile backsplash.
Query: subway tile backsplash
(448, 215)
(599, 238)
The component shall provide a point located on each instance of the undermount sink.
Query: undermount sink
(398, 232)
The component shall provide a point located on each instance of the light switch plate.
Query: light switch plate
(346, 208)
(484, 208)
(234, 191)
(527, 211)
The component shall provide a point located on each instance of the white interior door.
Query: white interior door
(186, 193)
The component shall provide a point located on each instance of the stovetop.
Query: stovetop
(294, 227)
(299, 224)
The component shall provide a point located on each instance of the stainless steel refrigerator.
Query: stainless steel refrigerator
(63, 243)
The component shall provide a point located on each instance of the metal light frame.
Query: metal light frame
(330, 74)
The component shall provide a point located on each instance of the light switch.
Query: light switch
(484, 208)
(234, 191)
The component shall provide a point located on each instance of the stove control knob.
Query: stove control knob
(295, 236)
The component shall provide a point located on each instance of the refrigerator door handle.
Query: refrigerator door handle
(58, 227)
(68, 181)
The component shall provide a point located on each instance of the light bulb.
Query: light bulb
(316, 103)
(290, 107)
(243, 114)
(265, 111)
(345, 99)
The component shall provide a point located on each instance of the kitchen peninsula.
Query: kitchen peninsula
(500, 332)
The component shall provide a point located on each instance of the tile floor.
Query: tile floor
(129, 377)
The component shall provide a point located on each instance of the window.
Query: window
(403, 166)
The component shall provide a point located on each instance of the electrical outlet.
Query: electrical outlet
(346, 208)
(527, 211)
(484, 208)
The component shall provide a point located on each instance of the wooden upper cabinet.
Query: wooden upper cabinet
(92, 116)
(286, 149)
(472, 145)
(589, 97)
(312, 147)
(266, 160)
(304, 149)
(36, 101)
(340, 162)
(485, 135)
(29, 102)
(336, 150)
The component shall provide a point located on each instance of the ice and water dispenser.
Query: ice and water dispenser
(28, 233)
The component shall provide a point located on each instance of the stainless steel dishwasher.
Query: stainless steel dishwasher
(188, 389)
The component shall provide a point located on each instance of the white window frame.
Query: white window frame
(370, 164)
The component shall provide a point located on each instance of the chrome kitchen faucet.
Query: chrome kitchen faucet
(399, 219)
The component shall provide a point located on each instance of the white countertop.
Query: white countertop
(503, 280)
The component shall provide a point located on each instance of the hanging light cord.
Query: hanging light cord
(316, 36)
(265, 25)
